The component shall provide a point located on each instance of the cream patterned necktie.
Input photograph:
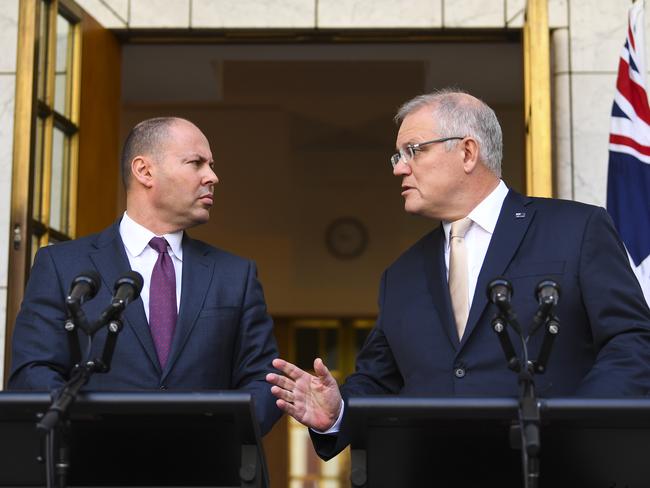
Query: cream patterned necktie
(458, 287)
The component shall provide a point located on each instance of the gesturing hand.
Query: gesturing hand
(314, 401)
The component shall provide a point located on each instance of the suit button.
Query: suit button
(459, 372)
(163, 387)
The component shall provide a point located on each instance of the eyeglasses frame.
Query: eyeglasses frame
(412, 148)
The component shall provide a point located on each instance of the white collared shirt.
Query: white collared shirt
(143, 258)
(477, 239)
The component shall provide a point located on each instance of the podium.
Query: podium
(138, 439)
(466, 442)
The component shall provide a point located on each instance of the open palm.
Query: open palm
(313, 400)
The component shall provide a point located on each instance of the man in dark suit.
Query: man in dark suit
(433, 335)
(201, 320)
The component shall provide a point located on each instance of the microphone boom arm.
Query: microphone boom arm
(552, 330)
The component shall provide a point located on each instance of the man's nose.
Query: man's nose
(401, 168)
(211, 177)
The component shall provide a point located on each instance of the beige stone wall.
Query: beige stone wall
(585, 63)
(321, 14)
(8, 39)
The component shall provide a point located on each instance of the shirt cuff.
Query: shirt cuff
(334, 429)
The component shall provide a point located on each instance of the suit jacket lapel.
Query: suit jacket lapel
(513, 222)
(436, 276)
(111, 261)
(197, 275)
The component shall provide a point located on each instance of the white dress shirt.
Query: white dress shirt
(143, 258)
(477, 240)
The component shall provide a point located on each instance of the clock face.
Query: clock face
(346, 238)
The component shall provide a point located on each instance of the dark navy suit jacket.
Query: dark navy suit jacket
(223, 338)
(602, 350)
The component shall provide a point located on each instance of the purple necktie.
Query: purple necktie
(162, 300)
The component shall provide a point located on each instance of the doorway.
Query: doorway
(302, 135)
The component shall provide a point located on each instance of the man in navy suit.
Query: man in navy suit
(222, 337)
(426, 342)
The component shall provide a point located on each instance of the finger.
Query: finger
(281, 381)
(284, 406)
(324, 374)
(320, 369)
(281, 394)
(288, 408)
(291, 370)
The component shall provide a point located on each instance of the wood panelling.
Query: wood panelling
(99, 120)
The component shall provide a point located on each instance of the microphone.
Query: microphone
(84, 287)
(499, 292)
(127, 288)
(547, 293)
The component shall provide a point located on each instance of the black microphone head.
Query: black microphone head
(547, 292)
(91, 279)
(132, 278)
(499, 290)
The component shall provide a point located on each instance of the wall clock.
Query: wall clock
(346, 238)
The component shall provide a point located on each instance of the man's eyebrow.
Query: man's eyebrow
(405, 143)
(199, 157)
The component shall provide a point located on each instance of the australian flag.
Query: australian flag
(628, 181)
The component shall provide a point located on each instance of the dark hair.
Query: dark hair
(144, 139)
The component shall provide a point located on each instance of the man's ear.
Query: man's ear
(470, 154)
(142, 170)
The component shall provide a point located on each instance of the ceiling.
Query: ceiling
(196, 73)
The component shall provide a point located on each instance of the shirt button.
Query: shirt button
(459, 372)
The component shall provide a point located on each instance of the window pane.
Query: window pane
(35, 246)
(306, 348)
(332, 344)
(306, 469)
(59, 184)
(62, 67)
(38, 171)
(42, 49)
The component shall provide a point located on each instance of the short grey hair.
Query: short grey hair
(457, 113)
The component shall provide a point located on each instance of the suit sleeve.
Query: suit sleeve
(618, 314)
(254, 350)
(40, 353)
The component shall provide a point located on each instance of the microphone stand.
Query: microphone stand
(529, 422)
(526, 432)
(551, 332)
(54, 423)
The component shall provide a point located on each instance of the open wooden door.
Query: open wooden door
(65, 158)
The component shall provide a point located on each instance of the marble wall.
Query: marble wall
(8, 40)
(322, 14)
(585, 63)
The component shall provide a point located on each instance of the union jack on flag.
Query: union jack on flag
(628, 180)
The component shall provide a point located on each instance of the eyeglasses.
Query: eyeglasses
(407, 153)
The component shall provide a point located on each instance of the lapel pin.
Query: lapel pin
(520, 215)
